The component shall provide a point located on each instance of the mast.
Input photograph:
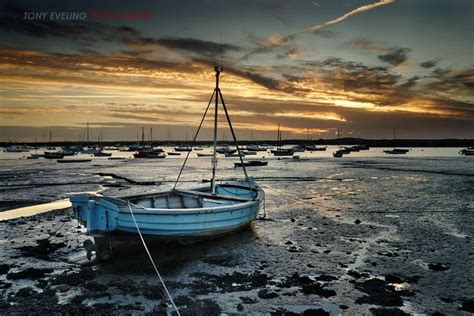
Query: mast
(278, 137)
(394, 137)
(143, 134)
(214, 162)
(216, 94)
(87, 134)
(151, 135)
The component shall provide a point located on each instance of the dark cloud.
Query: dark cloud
(93, 32)
(325, 33)
(396, 57)
(429, 63)
(365, 44)
(448, 80)
(355, 76)
(272, 44)
(195, 45)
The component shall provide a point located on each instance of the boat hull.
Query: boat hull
(102, 215)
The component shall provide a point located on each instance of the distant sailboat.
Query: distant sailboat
(469, 151)
(281, 151)
(396, 151)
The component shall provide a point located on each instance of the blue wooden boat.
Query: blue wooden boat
(176, 214)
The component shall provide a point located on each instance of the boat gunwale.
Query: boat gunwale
(142, 210)
(139, 209)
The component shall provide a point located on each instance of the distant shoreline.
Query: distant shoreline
(322, 142)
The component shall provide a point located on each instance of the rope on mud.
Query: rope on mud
(153, 262)
(57, 231)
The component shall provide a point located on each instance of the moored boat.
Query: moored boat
(251, 163)
(396, 151)
(101, 153)
(282, 152)
(53, 155)
(204, 154)
(469, 151)
(299, 148)
(73, 160)
(315, 148)
(150, 153)
(35, 156)
(226, 150)
(249, 153)
(256, 148)
(183, 148)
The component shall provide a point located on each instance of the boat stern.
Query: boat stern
(96, 213)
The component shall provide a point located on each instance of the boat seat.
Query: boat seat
(214, 196)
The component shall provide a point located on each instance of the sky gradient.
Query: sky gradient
(313, 67)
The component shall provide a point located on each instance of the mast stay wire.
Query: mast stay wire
(194, 139)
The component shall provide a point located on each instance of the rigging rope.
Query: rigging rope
(194, 139)
(235, 141)
(153, 262)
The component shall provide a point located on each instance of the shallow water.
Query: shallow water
(366, 212)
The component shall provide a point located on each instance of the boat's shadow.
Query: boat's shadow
(172, 257)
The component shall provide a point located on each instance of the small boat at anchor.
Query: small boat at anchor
(256, 148)
(315, 148)
(251, 163)
(204, 154)
(281, 152)
(299, 149)
(73, 160)
(53, 155)
(469, 151)
(101, 153)
(396, 151)
(183, 148)
(176, 214)
(150, 153)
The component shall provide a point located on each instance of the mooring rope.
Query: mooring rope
(153, 262)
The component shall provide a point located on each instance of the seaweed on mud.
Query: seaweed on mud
(4, 268)
(42, 249)
(388, 312)
(228, 282)
(75, 278)
(307, 312)
(307, 285)
(29, 273)
(267, 294)
(379, 293)
(200, 307)
(223, 261)
(468, 305)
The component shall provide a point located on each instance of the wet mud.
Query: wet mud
(355, 241)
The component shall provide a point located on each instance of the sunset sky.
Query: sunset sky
(361, 66)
